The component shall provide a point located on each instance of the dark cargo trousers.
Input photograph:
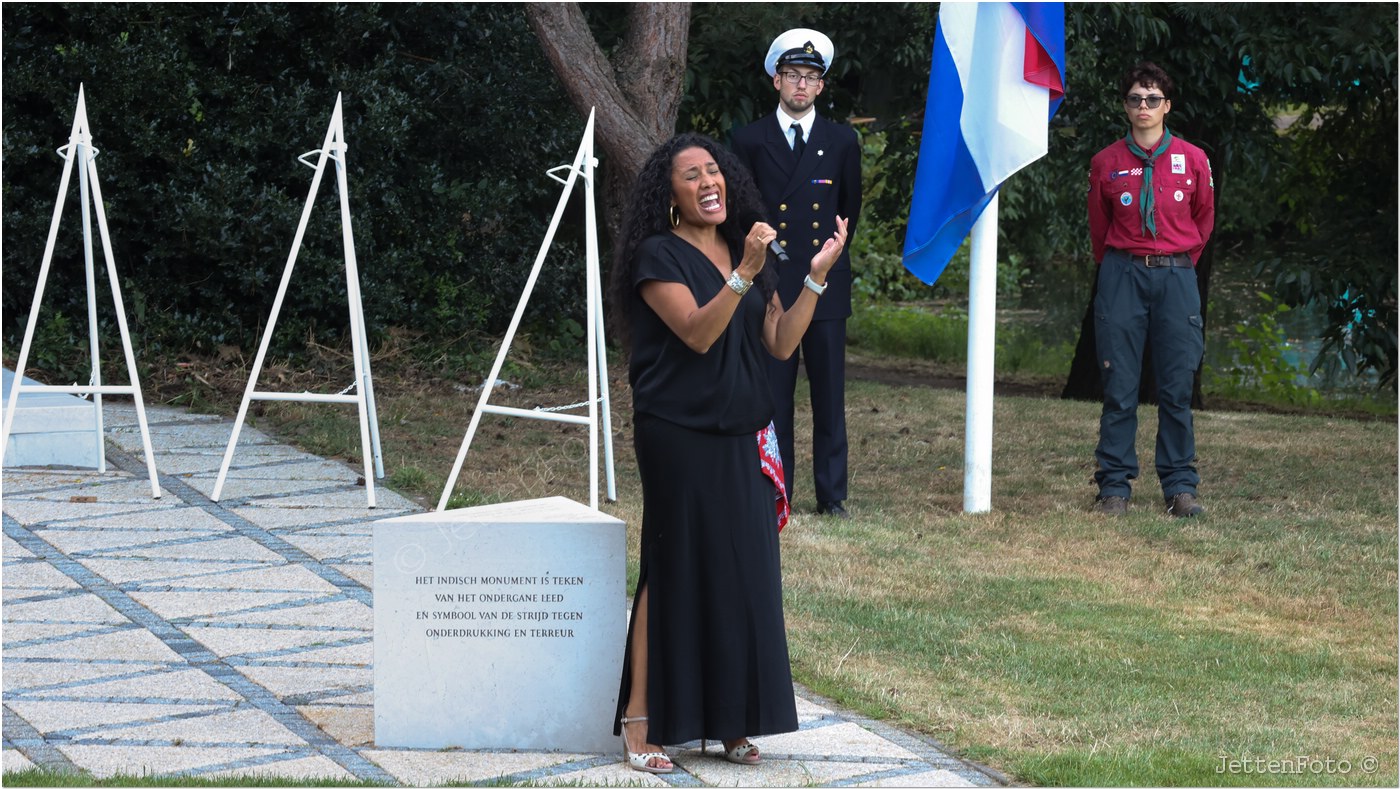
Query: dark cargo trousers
(1162, 306)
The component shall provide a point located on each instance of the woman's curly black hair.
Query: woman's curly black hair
(649, 213)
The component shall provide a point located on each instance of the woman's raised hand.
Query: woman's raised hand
(826, 256)
(756, 249)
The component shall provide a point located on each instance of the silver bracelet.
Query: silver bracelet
(814, 287)
(738, 284)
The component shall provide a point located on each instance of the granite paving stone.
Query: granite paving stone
(153, 518)
(127, 644)
(14, 550)
(182, 636)
(35, 677)
(276, 518)
(353, 726)
(105, 761)
(435, 768)
(922, 778)
(175, 683)
(360, 573)
(242, 641)
(14, 761)
(34, 575)
(304, 768)
(335, 613)
(216, 604)
(287, 680)
(55, 507)
(617, 774)
(224, 548)
(83, 541)
(245, 727)
(26, 605)
(48, 717)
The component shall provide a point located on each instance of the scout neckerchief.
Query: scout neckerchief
(1146, 207)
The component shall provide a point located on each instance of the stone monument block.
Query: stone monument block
(50, 428)
(499, 626)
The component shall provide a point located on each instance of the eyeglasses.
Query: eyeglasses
(1134, 101)
(793, 78)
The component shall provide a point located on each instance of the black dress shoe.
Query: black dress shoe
(832, 508)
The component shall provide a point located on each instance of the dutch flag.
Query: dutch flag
(997, 79)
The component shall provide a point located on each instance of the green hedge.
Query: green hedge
(200, 111)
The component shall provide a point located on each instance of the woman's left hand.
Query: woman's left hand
(826, 256)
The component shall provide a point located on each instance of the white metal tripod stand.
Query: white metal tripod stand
(584, 166)
(334, 148)
(79, 149)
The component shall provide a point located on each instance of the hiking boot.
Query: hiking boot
(1184, 505)
(1111, 505)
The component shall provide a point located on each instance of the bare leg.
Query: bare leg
(637, 697)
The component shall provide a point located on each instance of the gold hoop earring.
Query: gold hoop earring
(675, 216)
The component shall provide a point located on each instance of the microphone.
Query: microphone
(778, 251)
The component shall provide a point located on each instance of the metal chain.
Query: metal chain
(567, 407)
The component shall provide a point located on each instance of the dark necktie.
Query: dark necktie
(798, 144)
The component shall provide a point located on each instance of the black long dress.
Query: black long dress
(716, 643)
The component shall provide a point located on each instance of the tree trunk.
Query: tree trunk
(635, 97)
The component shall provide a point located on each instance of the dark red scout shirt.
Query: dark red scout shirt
(1184, 195)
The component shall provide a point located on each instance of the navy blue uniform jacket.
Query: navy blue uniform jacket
(803, 200)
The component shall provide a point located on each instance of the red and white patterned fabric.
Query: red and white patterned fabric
(771, 461)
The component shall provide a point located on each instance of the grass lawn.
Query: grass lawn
(1055, 645)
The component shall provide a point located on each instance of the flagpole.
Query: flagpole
(981, 354)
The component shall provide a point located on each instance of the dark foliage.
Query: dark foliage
(200, 111)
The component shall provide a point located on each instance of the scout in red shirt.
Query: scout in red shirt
(1151, 212)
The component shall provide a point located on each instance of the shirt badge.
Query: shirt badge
(1178, 195)
(1115, 175)
(1179, 163)
(1125, 199)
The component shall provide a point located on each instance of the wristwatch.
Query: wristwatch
(738, 284)
(814, 287)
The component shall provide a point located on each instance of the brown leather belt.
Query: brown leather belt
(1164, 261)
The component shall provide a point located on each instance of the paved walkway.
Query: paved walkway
(180, 635)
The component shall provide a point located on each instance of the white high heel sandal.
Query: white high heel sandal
(641, 761)
(743, 753)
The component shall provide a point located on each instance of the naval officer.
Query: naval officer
(808, 171)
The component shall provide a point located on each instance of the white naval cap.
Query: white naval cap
(800, 47)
